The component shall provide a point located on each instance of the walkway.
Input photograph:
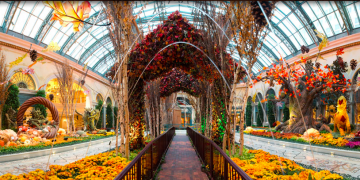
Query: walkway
(339, 164)
(181, 161)
(27, 165)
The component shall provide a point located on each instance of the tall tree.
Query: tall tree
(248, 114)
(12, 101)
(109, 116)
(99, 123)
(260, 116)
(270, 110)
(42, 108)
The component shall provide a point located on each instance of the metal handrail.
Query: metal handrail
(220, 165)
(148, 160)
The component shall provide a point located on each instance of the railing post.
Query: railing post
(151, 160)
(139, 169)
(211, 160)
(225, 169)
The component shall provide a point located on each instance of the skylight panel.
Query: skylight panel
(62, 40)
(289, 24)
(326, 27)
(28, 6)
(285, 48)
(20, 22)
(309, 11)
(283, 28)
(280, 5)
(44, 13)
(30, 25)
(50, 35)
(279, 50)
(3, 10)
(316, 9)
(326, 7)
(299, 39)
(92, 61)
(89, 43)
(353, 15)
(38, 9)
(306, 36)
(294, 20)
(36, 28)
(278, 14)
(295, 42)
(334, 23)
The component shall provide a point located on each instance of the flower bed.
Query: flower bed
(266, 166)
(324, 139)
(45, 145)
(100, 166)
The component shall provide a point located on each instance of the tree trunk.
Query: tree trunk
(242, 119)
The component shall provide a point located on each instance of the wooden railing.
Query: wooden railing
(148, 160)
(219, 164)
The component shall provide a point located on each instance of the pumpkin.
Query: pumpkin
(37, 139)
(23, 138)
(2, 143)
(94, 132)
(12, 144)
(311, 134)
(5, 138)
(27, 142)
(30, 131)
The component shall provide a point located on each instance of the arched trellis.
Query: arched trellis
(182, 56)
(177, 80)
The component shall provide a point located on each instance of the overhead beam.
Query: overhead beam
(44, 28)
(300, 13)
(284, 38)
(92, 48)
(10, 15)
(269, 52)
(110, 54)
(344, 16)
(74, 36)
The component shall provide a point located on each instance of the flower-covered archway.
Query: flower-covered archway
(183, 56)
(177, 80)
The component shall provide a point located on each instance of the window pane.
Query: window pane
(334, 23)
(353, 15)
(294, 21)
(306, 36)
(326, 7)
(3, 10)
(326, 27)
(283, 28)
(316, 9)
(309, 11)
(280, 5)
(286, 50)
(293, 40)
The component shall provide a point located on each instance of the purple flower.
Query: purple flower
(353, 144)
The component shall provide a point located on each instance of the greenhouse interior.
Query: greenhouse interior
(186, 90)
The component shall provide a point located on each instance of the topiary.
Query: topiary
(286, 114)
(11, 101)
(42, 108)
(99, 123)
(270, 111)
(109, 116)
(260, 116)
(248, 114)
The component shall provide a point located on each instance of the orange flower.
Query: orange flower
(340, 51)
(70, 12)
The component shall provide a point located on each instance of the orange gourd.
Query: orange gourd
(2, 144)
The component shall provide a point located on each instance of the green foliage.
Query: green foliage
(40, 146)
(11, 101)
(116, 109)
(42, 108)
(270, 111)
(286, 114)
(260, 116)
(109, 116)
(248, 114)
(203, 124)
(245, 156)
(99, 124)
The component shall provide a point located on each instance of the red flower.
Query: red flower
(340, 52)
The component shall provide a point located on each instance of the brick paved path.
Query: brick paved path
(181, 162)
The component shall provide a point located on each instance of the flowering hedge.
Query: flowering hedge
(177, 80)
(267, 166)
(183, 56)
(100, 166)
(325, 139)
(58, 143)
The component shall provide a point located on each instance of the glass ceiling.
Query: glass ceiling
(293, 23)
